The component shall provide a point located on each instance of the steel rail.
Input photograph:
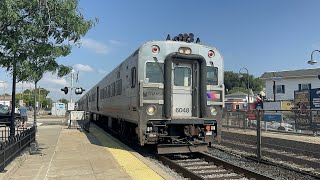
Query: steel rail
(234, 168)
(225, 168)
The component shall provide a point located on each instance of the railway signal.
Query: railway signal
(65, 90)
(79, 90)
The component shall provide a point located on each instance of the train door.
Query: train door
(87, 102)
(182, 86)
(97, 98)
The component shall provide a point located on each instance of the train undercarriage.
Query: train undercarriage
(169, 136)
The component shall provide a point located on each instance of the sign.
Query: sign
(272, 117)
(271, 105)
(301, 97)
(61, 106)
(77, 115)
(314, 98)
(303, 122)
(70, 106)
(287, 105)
(316, 120)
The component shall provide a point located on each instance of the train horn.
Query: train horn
(168, 37)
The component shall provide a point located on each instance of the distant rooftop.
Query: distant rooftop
(292, 73)
(7, 98)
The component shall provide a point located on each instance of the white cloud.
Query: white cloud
(94, 45)
(82, 67)
(51, 80)
(3, 84)
(115, 42)
(102, 71)
(24, 85)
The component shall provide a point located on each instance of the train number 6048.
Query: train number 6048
(182, 110)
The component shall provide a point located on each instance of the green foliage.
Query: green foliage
(238, 89)
(63, 100)
(33, 33)
(28, 97)
(234, 83)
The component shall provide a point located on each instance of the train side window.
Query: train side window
(133, 77)
(113, 89)
(109, 91)
(101, 93)
(119, 87)
(212, 75)
(154, 72)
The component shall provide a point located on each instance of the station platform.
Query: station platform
(278, 135)
(71, 154)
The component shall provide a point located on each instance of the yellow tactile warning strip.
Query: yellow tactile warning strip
(309, 139)
(131, 164)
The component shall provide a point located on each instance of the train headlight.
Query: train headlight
(151, 110)
(184, 50)
(213, 111)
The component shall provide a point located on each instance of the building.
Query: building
(6, 100)
(286, 82)
(237, 100)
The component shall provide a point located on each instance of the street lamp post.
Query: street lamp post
(312, 61)
(245, 124)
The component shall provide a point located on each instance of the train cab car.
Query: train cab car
(168, 93)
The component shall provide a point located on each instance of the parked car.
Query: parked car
(5, 116)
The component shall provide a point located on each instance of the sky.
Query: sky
(260, 35)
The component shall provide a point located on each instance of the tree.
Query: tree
(233, 83)
(238, 89)
(41, 93)
(33, 33)
(63, 100)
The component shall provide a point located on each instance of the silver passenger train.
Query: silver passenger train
(169, 93)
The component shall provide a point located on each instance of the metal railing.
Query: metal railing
(5, 132)
(288, 134)
(12, 147)
(287, 121)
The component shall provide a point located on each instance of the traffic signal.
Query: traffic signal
(79, 90)
(65, 90)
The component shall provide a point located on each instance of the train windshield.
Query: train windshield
(212, 75)
(154, 72)
(182, 76)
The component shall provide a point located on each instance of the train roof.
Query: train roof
(160, 43)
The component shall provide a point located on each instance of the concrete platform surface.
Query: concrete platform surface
(71, 154)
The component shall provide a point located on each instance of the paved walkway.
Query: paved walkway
(68, 154)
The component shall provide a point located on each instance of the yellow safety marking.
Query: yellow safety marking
(130, 163)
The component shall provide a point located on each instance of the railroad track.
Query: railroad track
(203, 166)
(288, 155)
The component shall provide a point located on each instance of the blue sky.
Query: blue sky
(261, 35)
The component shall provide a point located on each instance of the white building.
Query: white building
(286, 82)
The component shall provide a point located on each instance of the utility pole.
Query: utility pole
(71, 87)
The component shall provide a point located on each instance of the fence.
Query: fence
(12, 147)
(292, 131)
(294, 121)
(5, 132)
